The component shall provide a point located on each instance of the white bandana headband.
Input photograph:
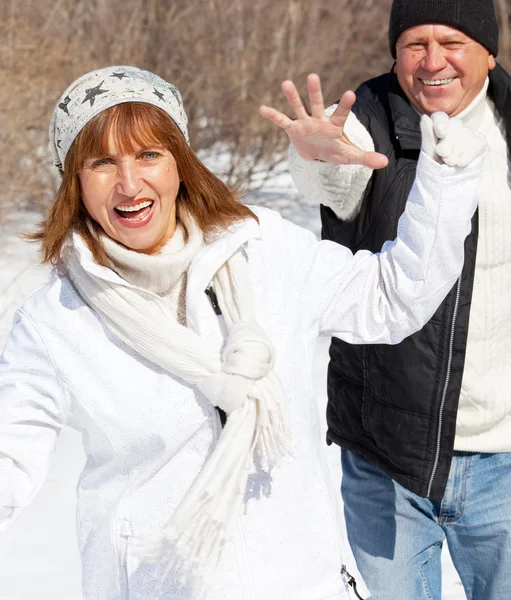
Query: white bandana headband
(98, 90)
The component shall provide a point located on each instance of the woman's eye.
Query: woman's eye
(150, 155)
(101, 162)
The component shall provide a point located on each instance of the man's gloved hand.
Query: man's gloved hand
(449, 142)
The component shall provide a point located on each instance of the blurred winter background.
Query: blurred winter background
(227, 57)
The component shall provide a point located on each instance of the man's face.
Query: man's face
(440, 68)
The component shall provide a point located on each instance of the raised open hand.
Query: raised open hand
(317, 136)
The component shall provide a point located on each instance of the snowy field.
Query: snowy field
(38, 555)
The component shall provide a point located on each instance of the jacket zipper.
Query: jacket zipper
(446, 386)
(211, 294)
(125, 535)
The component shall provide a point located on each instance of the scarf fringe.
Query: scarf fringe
(204, 522)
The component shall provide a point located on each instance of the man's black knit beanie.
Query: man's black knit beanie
(476, 18)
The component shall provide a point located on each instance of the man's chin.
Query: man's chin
(428, 108)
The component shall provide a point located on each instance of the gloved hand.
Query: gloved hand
(449, 142)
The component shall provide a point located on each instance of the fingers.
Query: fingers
(440, 121)
(454, 142)
(374, 160)
(293, 97)
(317, 104)
(429, 139)
(451, 144)
(276, 117)
(356, 156)
(461, 146)
(317, 136)
(343, 109)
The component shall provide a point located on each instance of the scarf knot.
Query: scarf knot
(248, 352)
(246, 360)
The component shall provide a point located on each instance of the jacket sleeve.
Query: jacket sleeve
(387, 296)
(340, 187)
(31, 415)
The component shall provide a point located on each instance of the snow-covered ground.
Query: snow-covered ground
(38, 555)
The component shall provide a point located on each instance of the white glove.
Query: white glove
(450, 142)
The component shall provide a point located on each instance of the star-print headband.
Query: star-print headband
(98, 90)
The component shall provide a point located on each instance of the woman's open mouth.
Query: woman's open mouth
(135, 214)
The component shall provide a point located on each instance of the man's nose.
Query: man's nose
(435, 58)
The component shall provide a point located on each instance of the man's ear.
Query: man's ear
(492, 63)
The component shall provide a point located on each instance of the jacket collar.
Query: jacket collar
(211, 258)
(406, 120)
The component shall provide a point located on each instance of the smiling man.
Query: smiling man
(440, 68)
(424, 426)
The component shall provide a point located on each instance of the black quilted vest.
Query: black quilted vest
(396, 405)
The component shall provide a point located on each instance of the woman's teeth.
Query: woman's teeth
(134, 207)
(437, 81)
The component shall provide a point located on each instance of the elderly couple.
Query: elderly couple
(178, 328)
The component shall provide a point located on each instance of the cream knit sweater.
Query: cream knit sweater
(164, 273)
(484, 415)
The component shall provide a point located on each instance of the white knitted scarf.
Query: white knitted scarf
(240, 381)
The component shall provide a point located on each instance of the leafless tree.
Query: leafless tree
(226, 56)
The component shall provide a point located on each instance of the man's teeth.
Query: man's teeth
(437, 81)
(134, 207)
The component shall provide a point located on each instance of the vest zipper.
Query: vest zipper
(446, 385)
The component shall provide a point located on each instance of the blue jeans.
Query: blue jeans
(397, 536)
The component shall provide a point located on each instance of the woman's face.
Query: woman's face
(132, 196)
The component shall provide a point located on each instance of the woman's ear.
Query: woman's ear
(492, 63)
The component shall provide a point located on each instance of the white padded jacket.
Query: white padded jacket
(147, 434)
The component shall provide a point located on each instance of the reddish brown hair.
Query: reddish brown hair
(135, 124)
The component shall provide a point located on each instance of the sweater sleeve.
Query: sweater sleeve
(340, 187)
(31, 415)
(387, 296)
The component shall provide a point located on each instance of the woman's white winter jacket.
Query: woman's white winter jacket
(147, 434)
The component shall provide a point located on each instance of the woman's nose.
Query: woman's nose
(129, 182)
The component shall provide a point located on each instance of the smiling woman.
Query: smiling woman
(131, 192)
(131, 170)
(190, 408)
